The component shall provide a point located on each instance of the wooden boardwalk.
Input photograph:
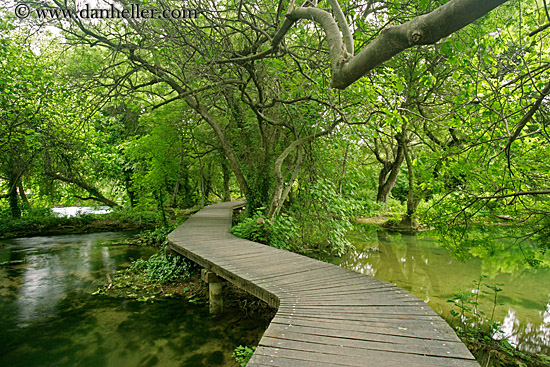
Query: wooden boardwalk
(327, 315)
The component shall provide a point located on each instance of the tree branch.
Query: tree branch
(525, 119)
(342, 22)
(515, 194)
(337, 49)
(423, 30)
(277, 195)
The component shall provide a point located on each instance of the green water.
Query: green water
(422, 266)
(49, 318)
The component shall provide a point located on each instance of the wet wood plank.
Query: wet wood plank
(327, 315)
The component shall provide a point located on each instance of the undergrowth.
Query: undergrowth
(148, 279)
(242, 354)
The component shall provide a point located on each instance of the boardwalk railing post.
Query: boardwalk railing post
(214, 291)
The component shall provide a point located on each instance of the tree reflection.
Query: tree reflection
(418, 263)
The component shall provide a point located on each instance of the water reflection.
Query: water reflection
(420, 265)
(49, 318)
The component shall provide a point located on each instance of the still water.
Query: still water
(422, 266)
(49, 318)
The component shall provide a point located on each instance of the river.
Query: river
(48, 316)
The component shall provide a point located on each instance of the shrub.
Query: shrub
(280, 232)
(319, 222)
(243, 354)
(254, 228)
(161, 268)
(324, 218)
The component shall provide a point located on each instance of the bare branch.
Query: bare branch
(515, 194)
(342, 22)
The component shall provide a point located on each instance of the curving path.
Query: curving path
(327, 315)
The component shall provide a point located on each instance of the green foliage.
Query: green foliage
(469, 313)
(161, 268)
(283, 232)
(454, 105)
(243, 354)
(318, 222)
(507, 245)
(254, 228)
(157, 236)
(280, 232)
(324, 217)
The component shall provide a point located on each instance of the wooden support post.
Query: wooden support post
(214, 291)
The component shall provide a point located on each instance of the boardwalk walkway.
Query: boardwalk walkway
(327, 315)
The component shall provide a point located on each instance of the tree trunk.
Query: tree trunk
(383, 188)
(277, 198)
(12, 196)
(344, 161)
(22, 193)
(412, 202)
(201, 184)
(224, 142)
(388, 176)
(160, 198)
(226, 177)
(127, 174)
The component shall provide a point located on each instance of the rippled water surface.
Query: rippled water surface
(422, 266)
(49, 318)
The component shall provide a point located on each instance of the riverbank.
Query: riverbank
(48, 224)
(132, 284)
(43, 222)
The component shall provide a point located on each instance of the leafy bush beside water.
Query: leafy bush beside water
(319, 222)
(279, 232)
(144, 280)
(243, 354)
(161, 268)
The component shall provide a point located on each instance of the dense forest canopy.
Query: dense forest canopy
(315, 113)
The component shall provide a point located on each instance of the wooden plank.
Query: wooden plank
(374, 291)
(404, 328)
(363, 316)
(359, 340)
(366, 309)
(320, 344)
(369, 358)
(321, 277)
(329, 281)
(294, 271)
